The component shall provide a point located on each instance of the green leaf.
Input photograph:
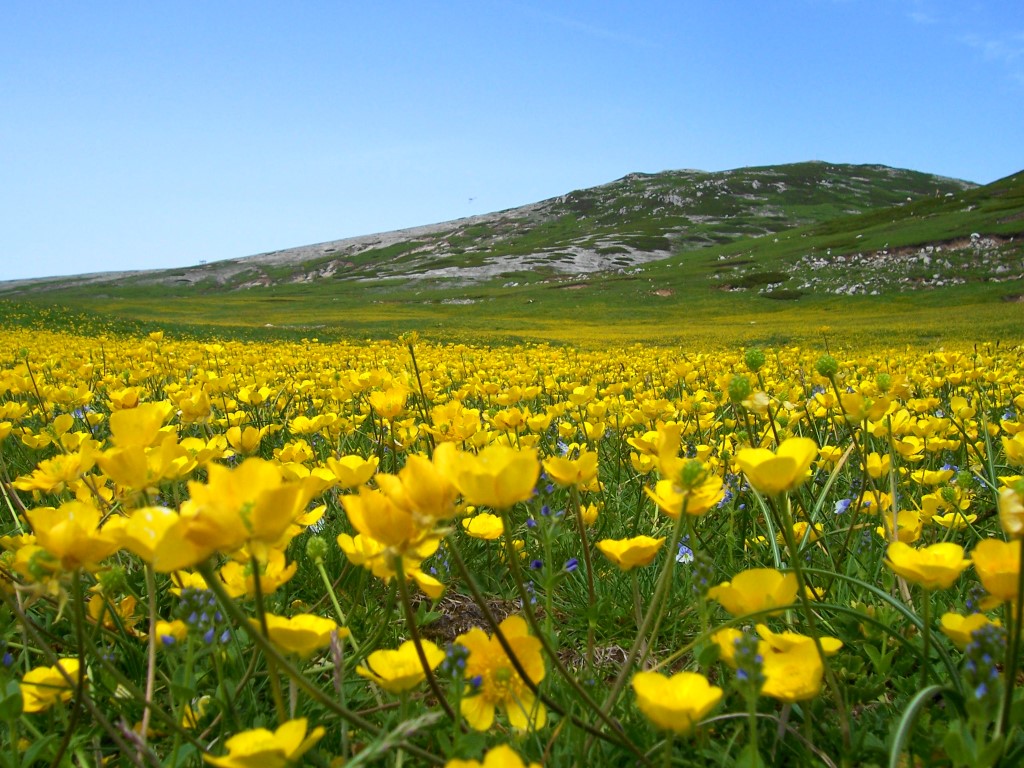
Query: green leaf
(749, 757)
(10, 701)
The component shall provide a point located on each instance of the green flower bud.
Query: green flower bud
(692, 474)
(739, 388)
(827, 366)
(754, 360)
(884, 382)
(316, 549)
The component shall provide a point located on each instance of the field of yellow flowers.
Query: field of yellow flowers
(411, 553)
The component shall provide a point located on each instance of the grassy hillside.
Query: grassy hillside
(753, 254)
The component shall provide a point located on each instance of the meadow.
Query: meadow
(267, 551)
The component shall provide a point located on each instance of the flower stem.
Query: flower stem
(574, 494)
(1013, 647)
(414, 632)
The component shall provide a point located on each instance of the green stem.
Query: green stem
(517, 665)
(574, 494)
(660, 590)
(926, 636)
(261, 613)
(151, 661)
(808, 611)
(334, 600)
(268, 649)
(414, 632)
(1013, 647)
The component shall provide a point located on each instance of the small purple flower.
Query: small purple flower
(572, 564)
(842, 506)
(536, 565)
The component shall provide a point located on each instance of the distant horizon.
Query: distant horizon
(157, 136)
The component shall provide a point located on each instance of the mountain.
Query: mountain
(637, 219)
(765, 255)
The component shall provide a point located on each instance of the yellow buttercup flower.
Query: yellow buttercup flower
(158, 536)
(997, 564)
(1014, 449)
(42, 687)
(774, 473)
(250, 503)
(375, 515)
(755, 590)
(693, 489)
(303, 634)
(960, 628)
(675, 703)
(72, 533)
(352, 470)
(908, 526)
(792, 667)
(497, 683)
(268, 749)
(631, 553)
(1011, 510)
(498, 477)
(400, 670)
(421, 488)
(484, 525)
(502, 756)
(245, 440)
(390, 402)
(932, 567)
(579, 472)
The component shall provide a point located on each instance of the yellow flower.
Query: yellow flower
(695, 489)
(375, 515)
(502, 756)
(157, 535)
(72, 533)
(42, 687)
(908, 526)
(248, 503)
(726, 639)
(933, 567)
(389, 403)
(1014, 448)
(630, 553)
(498, 477)
(302, 634)
(352, 470)
(580, 472)
(997, 563)
(786, 469)
(171, 632)
(400, 670)
(497, 683)
(421, 489)
(1011, 510)
(792, 667)
(245, 440)
(238, 575)
(755, 590)
(960, 628)
(266, 749)
(483, 525)
(675, 703)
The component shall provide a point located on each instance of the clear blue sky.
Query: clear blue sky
(139, 135)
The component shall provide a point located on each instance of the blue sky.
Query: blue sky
(160, 134)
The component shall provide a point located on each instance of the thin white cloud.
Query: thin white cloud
(579, 25)
(1007, 50)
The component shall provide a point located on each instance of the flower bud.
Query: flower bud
(827, 366)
